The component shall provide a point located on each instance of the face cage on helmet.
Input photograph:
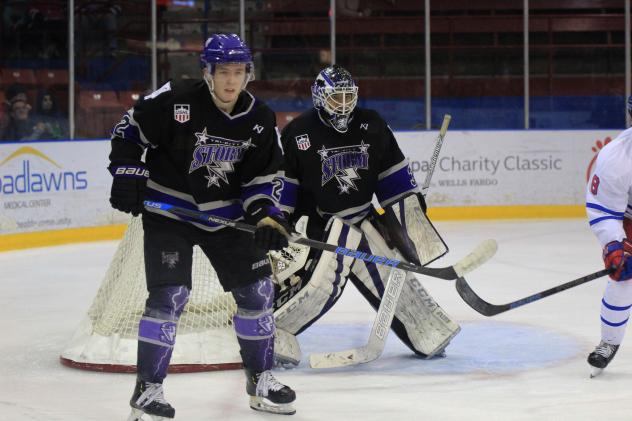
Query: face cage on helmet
(337, 112)
(326, 98)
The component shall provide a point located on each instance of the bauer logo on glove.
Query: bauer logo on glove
(131, 171)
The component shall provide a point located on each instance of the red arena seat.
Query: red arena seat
(51, 77)
(21, 76)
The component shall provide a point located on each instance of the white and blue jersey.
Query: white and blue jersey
(609, 190)
(198, 156)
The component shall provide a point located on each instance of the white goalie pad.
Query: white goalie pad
(287, 351)
(406, 216)
(325, 282)
(427, 325)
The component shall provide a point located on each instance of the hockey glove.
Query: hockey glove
(128, 187)
(272, 228)
(617, 255)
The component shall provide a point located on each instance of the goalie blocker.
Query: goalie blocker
(310, 283)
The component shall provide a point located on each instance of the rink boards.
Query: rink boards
(57, 192)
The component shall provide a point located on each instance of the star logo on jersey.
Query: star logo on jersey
(218, 156)
(342, 164)
(202, 137)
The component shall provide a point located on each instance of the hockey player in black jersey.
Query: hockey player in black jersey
(337, 157)
(211, 146)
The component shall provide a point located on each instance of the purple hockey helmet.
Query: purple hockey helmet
(226, 49)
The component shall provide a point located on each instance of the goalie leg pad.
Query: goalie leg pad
(325, 284)
(419, 321)
(287, 351)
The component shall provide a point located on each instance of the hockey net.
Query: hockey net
(106, 339)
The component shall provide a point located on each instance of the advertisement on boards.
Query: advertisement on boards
(501, 168)
(54, 185)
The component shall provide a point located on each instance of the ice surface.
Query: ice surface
(526, 364)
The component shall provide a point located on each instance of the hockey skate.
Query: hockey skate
(601, 357)
(268, 395)
(148, 398)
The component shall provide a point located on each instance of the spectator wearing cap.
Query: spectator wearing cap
(21, 126)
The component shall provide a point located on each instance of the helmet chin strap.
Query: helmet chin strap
(221, 104)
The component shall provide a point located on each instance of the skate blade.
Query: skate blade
(595, 371)
(262, 404)
(137, 415)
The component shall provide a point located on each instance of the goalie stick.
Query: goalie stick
(379, 332)
(487, 309)
(480, 255)
(435, 153)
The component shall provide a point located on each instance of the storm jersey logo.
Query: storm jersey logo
(218, 156)
(343, 163)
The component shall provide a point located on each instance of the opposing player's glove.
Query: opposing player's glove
(272, 227)
(617, 255)
(128, 186)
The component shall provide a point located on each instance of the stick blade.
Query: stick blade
(476, 302)
(340, 358)
(480, 255)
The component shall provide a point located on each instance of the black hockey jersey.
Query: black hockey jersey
(198, 156)
(330, 173)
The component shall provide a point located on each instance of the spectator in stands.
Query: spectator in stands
(351, 8)
(21, 125)
(48, 116)
(15, 91)
(98, 22)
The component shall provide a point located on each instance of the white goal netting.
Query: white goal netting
(106, 339)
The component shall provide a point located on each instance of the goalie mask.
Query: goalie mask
(226, 49)
(335, 95)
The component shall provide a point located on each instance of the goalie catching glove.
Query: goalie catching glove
(128, 186)
(617, 255)
(272, 228)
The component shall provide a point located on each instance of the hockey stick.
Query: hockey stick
(435, 153)
(487, 309)
(480, 255)
(379, 332)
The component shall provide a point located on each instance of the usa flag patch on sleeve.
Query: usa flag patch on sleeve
(302, 142)
(182, 112)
